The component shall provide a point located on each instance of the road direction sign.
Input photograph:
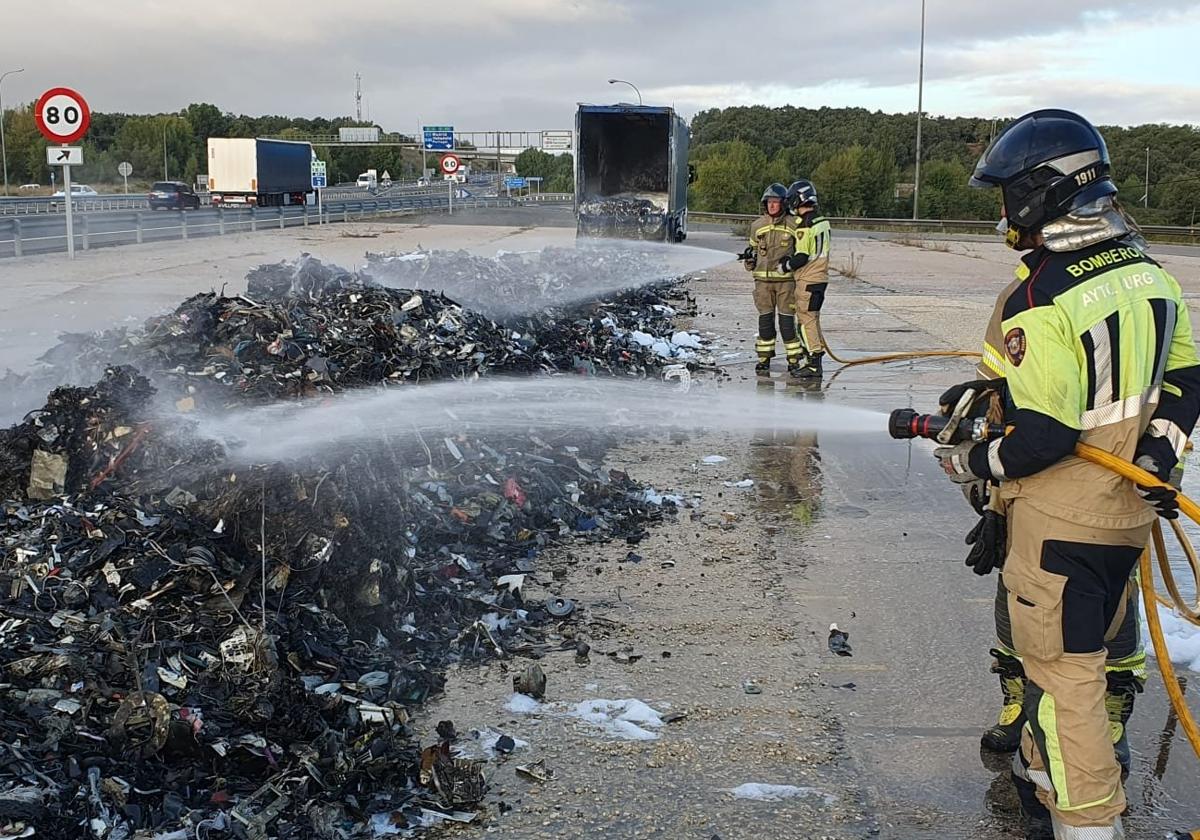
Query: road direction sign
(557, 141)
(62, 115)
(515, 183)
(319, 181)
(64, 155)
(450, 164)
(438, 138)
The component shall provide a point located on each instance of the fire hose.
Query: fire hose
(893, 357)
(906, 424)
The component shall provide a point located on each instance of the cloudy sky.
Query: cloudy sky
(523, 64)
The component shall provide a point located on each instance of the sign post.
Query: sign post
(125, 169)
(319, 182)
(62, 116)
(449, 166)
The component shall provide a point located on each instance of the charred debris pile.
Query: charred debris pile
(192, 648)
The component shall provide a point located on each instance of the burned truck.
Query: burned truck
(631, 172)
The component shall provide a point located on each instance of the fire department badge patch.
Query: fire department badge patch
(1014, 346)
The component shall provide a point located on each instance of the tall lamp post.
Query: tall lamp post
(920, 113)
(3, 148)
(631, 84)
(1146, 197)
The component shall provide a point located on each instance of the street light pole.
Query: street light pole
(631, 84)
(1146, 198)
(3, 148)
(920, 113)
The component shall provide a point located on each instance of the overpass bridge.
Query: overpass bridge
(468, 145)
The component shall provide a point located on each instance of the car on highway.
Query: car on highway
(173, 195)
(29, 188)
(77, 191)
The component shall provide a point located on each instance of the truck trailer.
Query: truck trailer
(631, 172)
(265, 173)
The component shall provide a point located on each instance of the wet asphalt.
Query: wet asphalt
(859, 530)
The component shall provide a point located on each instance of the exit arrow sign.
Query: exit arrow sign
(64, 155)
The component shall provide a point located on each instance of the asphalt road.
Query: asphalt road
(859, 530)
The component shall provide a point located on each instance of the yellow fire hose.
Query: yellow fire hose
(1150, 596)
(892, 357)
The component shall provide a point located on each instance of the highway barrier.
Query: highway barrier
(39, 234)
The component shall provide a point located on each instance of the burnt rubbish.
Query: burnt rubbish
(191, 648)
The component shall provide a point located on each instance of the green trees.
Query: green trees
(862, 162)
(556, 171)
(858, 181)
(140, 139)
(945, 194)
(730, 177)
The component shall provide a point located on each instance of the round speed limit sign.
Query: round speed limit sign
(450, 164)
(62, 115)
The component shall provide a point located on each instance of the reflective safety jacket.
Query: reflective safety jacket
(812, 239)
(772, 239)
(1096, 347)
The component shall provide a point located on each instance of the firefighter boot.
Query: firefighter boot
(796, 366)
(1036, 816)
(1123, 687)
(812, 367)
(763, 368)
(1005, 736)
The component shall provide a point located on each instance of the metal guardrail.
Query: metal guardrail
(1167, 232)
(18, 206)
(47, 205)
(546, 198)
(141, 226)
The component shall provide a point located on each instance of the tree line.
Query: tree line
(174, 146)
(863, 162)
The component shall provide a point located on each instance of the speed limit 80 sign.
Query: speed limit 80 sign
(62, 115)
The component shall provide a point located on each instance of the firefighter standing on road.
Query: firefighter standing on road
(811, 266)
(1097, 347)
(769, 257)
(1126, 664)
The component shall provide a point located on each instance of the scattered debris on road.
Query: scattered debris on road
(192, 647)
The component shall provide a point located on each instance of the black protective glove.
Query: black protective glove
(977, 494)
(988, 541)
(793, 263)
(748, 255)
(948, 400)
(1156, 456)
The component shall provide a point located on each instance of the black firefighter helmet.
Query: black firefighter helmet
(1046, 164)
(800, 193)
(778, 191)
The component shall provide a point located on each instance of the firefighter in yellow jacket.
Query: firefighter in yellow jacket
(769, 258)
(1097, 348)
(811, 267)
(1125, 668)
